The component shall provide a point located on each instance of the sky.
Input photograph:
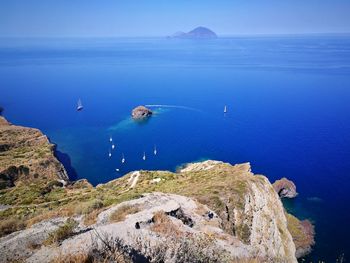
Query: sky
(131, 18)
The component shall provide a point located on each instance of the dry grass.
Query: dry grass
(10, 225)
(88, 207)
(121, 213)
(163, 225)
(91, 217)
(74, 258)
(66, 211)
(62, 233)
(34, 246)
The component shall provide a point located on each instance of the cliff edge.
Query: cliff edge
(208, 212)
(26, 155)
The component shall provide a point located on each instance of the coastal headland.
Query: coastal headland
(209, 211)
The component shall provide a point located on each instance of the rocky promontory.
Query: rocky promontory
(26, 155)
(140, 113)
(303, 232)
(206, 212)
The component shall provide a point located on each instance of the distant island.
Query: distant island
(197, 33)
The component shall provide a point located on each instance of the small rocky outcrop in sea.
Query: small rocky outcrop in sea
(141, 112)
(1, 110)
(197, 33)
(285, 188)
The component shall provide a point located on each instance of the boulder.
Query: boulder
(285, 188)
(141, 112)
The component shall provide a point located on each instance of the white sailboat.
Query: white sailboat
(80, 105)
(155, 150)
(110, 139)
(117, 170)
(123, 158)
(225, 109)
(109, 154)
(144, 156)
(113, 146)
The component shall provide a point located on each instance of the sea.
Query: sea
(287, 98)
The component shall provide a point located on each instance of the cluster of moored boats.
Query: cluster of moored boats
(113, 146)
(123, 160)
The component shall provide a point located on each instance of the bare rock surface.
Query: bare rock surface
(268, 238)
(141, 112)
(285, 188)
(21, 244)
(188, 217)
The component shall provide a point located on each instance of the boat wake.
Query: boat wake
(172, 106)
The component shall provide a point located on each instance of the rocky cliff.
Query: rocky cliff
(206, 212)
(26, 155)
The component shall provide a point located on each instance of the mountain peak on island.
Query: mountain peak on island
(197, 33)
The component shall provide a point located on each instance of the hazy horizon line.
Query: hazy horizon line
(165, 36)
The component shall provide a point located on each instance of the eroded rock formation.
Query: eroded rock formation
(285, 188)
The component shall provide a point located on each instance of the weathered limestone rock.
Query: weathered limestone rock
(285, 188)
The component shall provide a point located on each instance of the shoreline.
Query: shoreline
(51, 195)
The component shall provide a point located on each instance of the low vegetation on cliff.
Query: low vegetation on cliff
(236, 209)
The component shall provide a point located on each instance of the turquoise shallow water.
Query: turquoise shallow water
(288, 101)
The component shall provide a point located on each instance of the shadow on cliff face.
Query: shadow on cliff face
(67, 163)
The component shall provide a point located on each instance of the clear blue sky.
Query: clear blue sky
(60, 18)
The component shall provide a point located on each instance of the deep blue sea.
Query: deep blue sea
(288, 100)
